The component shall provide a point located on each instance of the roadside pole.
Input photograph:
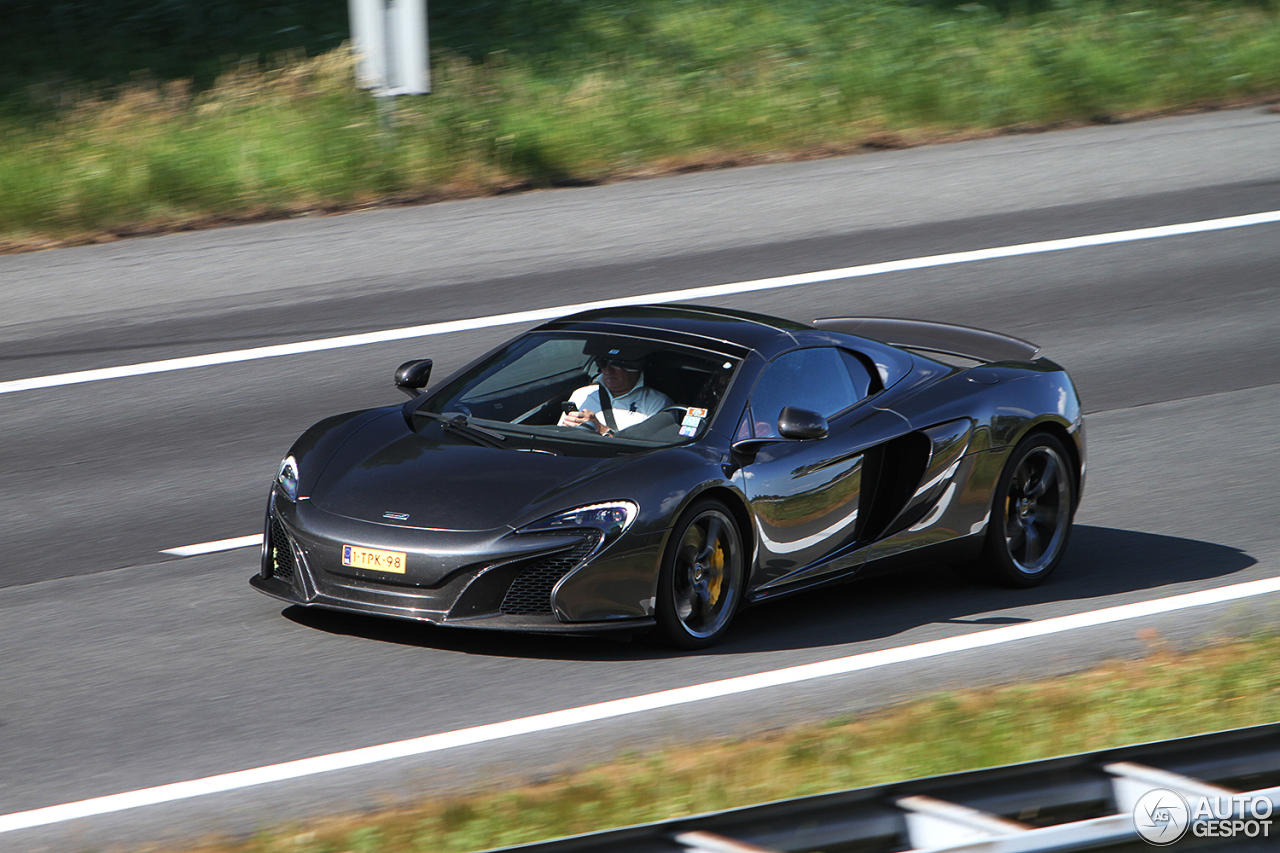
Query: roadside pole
(389, 38)
(390, 41)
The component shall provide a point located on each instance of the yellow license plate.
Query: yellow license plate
(368, 558)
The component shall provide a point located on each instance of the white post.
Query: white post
(390, 41)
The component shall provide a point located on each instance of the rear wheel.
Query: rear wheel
(1031, 514)
(700, 582)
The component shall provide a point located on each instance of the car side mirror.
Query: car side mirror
(801, 424)
(412, 376)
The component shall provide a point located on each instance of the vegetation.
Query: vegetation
(543, 92)
(1162, 696)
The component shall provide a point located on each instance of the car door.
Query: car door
(805, 493)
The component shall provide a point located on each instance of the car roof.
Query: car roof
(699, 325)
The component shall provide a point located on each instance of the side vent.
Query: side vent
(912, 473)
(890, 475)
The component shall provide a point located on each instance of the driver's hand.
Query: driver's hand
(582, 417)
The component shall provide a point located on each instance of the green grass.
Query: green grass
(592, 92)
(1164, 695)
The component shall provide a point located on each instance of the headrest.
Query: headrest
(625, 353)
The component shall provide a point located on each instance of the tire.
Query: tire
(701, 578)
(1031, 514)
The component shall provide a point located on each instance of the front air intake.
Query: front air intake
(530, 593)
(280, 552)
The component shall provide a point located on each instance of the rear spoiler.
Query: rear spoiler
(934, 337)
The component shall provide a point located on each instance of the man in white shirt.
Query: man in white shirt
(630, 400)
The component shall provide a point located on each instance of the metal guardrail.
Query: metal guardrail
(1077, 802)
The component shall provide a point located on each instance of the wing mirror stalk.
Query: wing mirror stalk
(412, 376)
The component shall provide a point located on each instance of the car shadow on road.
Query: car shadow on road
(1100, 562)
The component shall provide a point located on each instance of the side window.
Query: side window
(817, 379)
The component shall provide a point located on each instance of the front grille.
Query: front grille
(530, 593)
(280, 552)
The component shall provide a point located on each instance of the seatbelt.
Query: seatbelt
(606, 408)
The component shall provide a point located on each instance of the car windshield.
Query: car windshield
(625, 390)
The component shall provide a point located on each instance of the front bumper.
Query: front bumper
(562, 582)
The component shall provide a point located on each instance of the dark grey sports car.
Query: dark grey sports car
(659, 467)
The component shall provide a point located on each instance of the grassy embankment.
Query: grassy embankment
(1161, 696)
(614, 90)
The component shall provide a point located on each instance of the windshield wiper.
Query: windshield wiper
(459, 423)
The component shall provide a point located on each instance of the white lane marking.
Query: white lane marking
(542, 314)
(211, 547)
(623, 707)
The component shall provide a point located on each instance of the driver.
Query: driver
(631, 401)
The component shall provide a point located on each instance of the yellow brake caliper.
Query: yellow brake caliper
(717, 563)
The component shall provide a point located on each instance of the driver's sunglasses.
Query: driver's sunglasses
(629, 366)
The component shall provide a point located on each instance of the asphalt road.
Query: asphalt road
(122, 668)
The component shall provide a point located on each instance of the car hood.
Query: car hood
(386, 474)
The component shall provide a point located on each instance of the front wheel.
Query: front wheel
(701, 578)
(1031, 514)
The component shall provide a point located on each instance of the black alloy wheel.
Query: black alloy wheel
(1031, 514)
(700, 582)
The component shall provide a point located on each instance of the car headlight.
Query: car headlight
(611, 519)
(287, 478)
